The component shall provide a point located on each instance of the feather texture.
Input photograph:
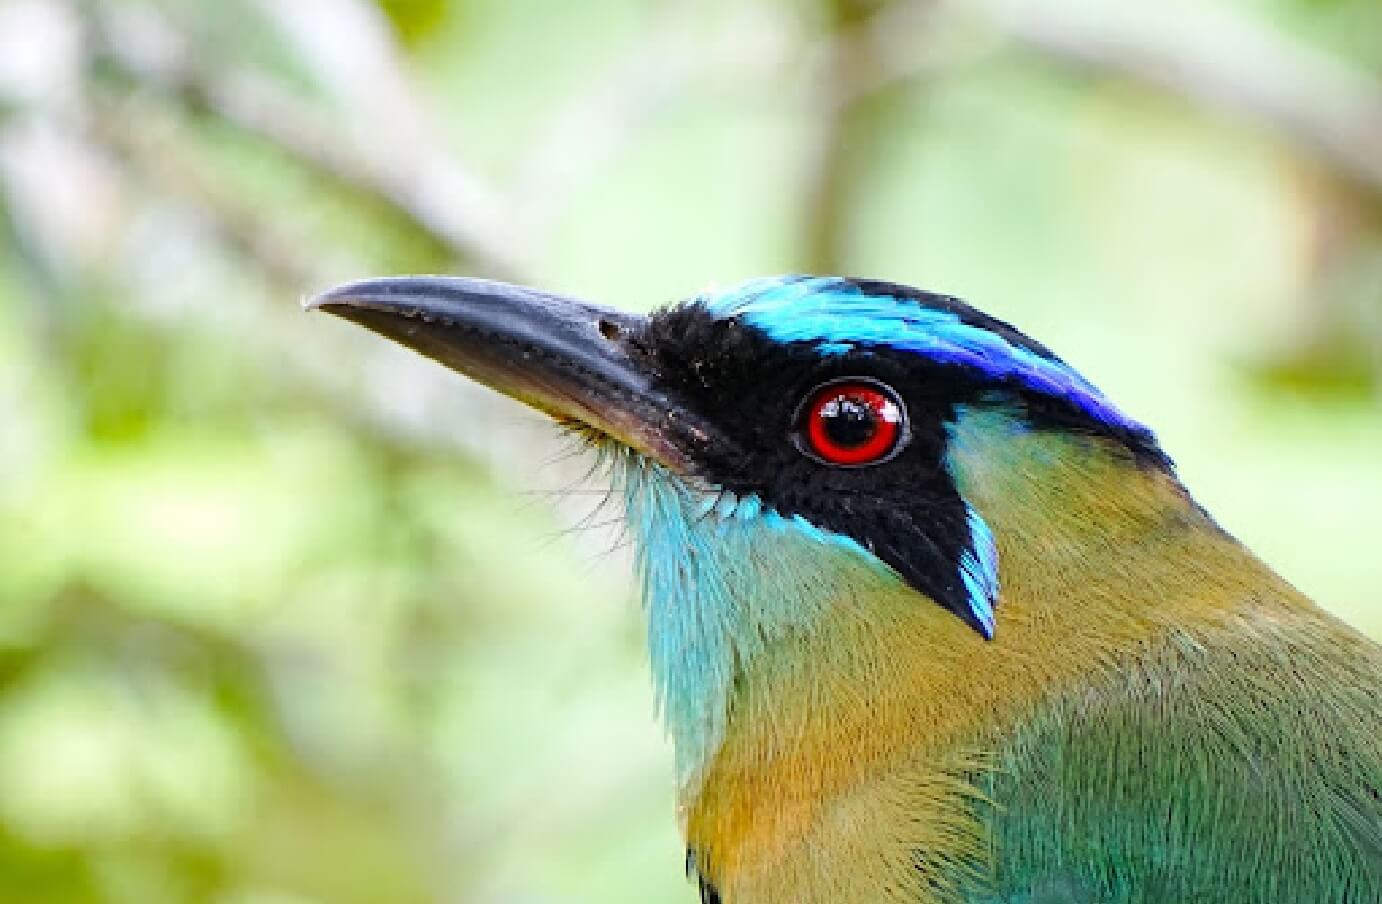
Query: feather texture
(1160, 719)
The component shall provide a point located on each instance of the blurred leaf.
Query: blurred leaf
(1345, 369)
(35, 874)
(416, 20)
(119, 402)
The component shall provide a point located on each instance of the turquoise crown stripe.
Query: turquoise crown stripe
(839, 316)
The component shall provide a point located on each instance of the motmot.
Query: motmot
(930, 618)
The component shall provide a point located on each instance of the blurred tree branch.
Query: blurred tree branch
(843, 87)
(1226, 63)
(351, 48)
(602, 118)
(141, 138)
(376, 173)
(29, 260)
(1328, 111)
(132, 111)
(1234, 65)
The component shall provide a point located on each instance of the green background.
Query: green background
(287, 616)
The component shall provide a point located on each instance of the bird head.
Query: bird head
(785, 446)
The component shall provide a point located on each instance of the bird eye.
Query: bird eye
(851, 423)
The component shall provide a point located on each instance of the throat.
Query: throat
(725, 580)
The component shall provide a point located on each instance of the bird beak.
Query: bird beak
(573, 360)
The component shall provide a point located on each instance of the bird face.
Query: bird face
(780, 445)
(829, 400)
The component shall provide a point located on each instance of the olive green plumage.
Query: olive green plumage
(1239, 770)
(1161, 718)
(1233, 754)
(931, 620)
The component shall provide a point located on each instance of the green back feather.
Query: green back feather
(1242, 770)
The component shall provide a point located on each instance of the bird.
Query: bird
(930, 618)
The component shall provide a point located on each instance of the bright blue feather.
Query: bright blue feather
(839, 316)
(979, 571)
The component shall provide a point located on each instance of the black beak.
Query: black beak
(574, 360)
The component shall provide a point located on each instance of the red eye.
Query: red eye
(852, 423)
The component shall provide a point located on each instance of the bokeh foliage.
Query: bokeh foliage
(286, 616)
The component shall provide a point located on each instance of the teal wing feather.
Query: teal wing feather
(1232, 773)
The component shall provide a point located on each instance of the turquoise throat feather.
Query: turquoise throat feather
(723, 578)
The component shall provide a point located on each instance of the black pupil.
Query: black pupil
(848, 422)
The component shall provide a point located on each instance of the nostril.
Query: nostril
(610, 330)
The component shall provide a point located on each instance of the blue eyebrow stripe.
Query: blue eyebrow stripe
(838, 314)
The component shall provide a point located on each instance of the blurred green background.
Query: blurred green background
(287, 616)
